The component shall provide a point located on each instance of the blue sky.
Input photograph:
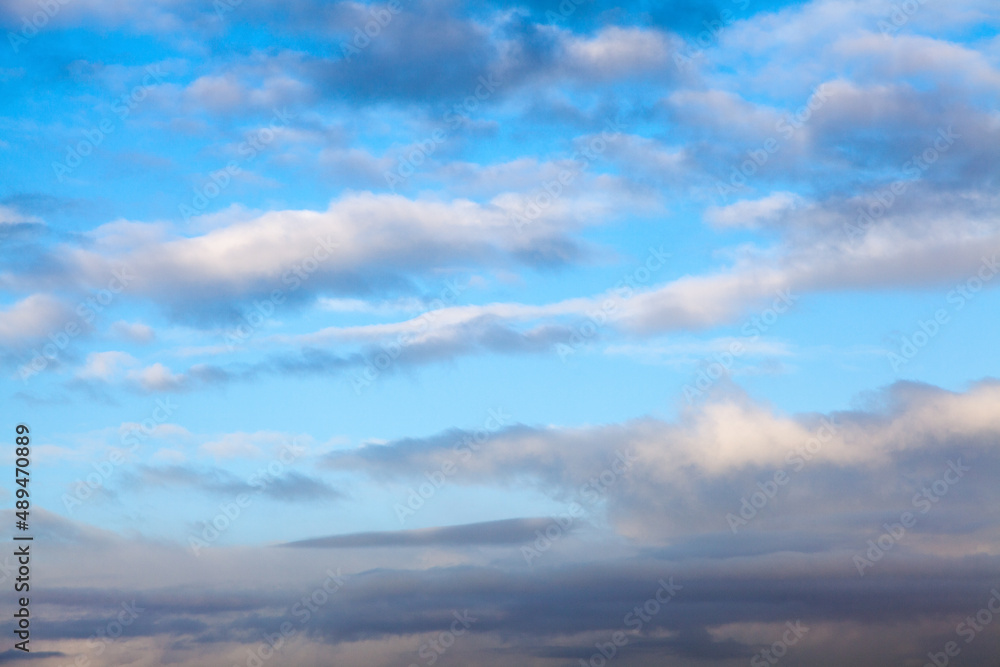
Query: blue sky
(254, 256)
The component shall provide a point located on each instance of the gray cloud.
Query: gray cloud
(290, 486)
(506, 531)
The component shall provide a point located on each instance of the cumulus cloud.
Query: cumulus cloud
(360, 243)
(105, 366)
(157, 377)
(33, 318)
(616, 53)
(682, 469)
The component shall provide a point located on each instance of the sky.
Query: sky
(550, 333)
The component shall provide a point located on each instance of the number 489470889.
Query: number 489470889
(21, 472)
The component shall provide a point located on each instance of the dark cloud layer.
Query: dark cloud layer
(507, 531)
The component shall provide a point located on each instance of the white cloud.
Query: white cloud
(11, 216)
(157, 378)
(136, 332)
(616, 52)
(169, 456)
(750, 214)
(252, 445)
(106, 366)
(359, 238)
(34, 317)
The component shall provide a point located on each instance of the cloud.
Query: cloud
(33, 318)
(721, 608)
(136, 332)
(289, 486)
(226, 94)
(157, 378)
(106, 366)
(905, 56)
(507, 531)
(693, 463)
(361, 243)
(662, 521)
(693, 352)
(759, 514)
(10, 216)
(155, 17)
(617, 53)
(927, 239)
(248, 445)
(750, 214)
